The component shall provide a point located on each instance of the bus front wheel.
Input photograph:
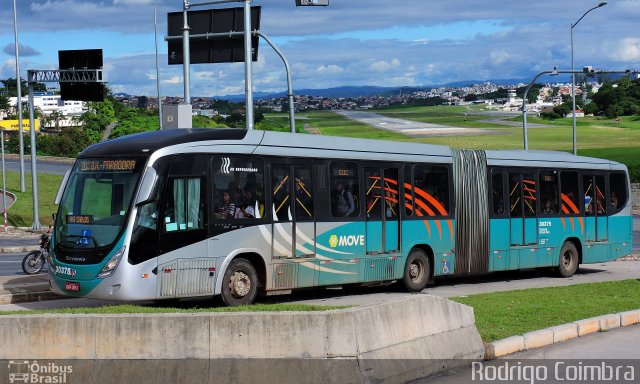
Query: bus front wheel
(416, 271)
(568, 260)
(240, 284)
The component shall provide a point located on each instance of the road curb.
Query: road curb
(559, 333)
(28, 297)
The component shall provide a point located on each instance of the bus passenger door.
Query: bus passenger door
(602, 222)
(374, 208)
(282, 228)
(293, 214)
(530, 201)
(596, 222)
(391, 210)
(524, 221)
(517, 216)
(383, 227)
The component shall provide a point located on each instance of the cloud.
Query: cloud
(330, 69)
(357, 42)
(24, 51)
(627, 50)
(384, 66)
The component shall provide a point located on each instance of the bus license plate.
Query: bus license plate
(74, 287)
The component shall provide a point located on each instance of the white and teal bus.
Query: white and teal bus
(235, 213)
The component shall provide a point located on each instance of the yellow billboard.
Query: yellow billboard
(12, 125)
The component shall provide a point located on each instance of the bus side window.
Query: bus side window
(345, 190)
(184, 205)
(497, 192)
(431, 190)
(408, 191)
(618, 191)
(569, 193)
(549, 192)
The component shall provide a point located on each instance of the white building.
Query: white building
(48, 102)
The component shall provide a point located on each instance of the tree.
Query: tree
(143, 102)
(98, 116)
(4, 104)
(12, 90)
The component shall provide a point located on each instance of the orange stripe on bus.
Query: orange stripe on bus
(564, 225)
(432, 200)
(570, 203)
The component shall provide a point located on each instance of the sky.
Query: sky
(350, 42)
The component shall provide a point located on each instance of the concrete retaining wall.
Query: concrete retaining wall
(395, 341)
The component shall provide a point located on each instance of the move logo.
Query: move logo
(346, 241)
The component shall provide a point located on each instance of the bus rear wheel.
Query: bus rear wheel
(417, 271)
(568, 260)
(240, 283)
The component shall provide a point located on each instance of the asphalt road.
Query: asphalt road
(445, 287)
(10, 264)
(41, 167)
(408, 127)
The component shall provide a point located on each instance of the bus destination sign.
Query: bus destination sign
(106, 165)
(79, 219)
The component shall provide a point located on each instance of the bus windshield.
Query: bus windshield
(96, 202)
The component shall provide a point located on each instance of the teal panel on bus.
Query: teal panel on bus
(391, 236)
(499, 244)
(527, 257)
(620, 236)
(436, 234)
(517, 237)
(602, 228)
(531, 231)
(590, 228)
(308, 273)
(85, 275)
(374, 236)
(596, 252)
(340, 250)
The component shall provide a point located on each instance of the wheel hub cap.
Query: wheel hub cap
(240, 284)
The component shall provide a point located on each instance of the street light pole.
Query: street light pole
(23, 188)
(573, 78)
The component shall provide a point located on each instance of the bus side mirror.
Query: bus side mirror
(63, 183)
(146, 187)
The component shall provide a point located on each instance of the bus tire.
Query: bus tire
(417, 271)
(568, 260)
(240, 283)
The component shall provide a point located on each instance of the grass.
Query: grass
(21, 212)
(503, 314)
(596, 136)
(181, 308)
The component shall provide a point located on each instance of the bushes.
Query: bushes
(634, 173)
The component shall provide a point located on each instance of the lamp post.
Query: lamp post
(23, 188)
(573, 77)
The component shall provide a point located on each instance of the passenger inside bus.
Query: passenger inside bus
(343, 203)
(227, 208)
(613, 200)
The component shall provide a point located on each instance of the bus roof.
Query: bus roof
(154, 140)
(307, 145)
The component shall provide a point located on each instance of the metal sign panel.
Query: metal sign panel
(81, 59)
(220, 50)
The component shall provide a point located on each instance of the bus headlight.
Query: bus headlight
(111, 266)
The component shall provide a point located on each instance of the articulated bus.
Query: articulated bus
(235, 213)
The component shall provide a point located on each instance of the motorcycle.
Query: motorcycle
(35, 261)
